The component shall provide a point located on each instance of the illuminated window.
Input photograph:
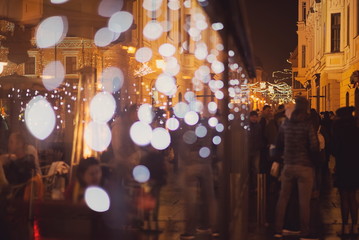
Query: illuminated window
(335, 32)
(71, 65)
(29, 67)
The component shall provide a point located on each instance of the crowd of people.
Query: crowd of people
(296, 145)
(133, 204)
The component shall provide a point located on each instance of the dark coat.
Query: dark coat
(345, 149)
(297, 142)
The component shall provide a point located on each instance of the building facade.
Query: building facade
(328, 52)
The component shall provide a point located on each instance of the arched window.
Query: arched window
(347, 99)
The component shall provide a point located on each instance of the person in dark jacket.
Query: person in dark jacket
(297, 142)
(345, 145)
(255, 137)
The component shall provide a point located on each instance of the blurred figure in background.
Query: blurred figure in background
(20, 167)
(88, 173)
(345, 145)
(255, 140)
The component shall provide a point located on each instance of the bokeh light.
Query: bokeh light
(166, 84)
(180, 109)
(213, 121)
(190, 96)
(189, 137)
(204, 152)
(102, 107)
(145, 113)
(58, 1)
(191, 118)
(112, 79)
(152, 5)
(97, 136)
(53, 75)
(212, 107)
(201, 131)
(153, 30)
(40, 117)
(216, 140)
(220, 127)
(172, 124)
(51, 31)
(167, 50)
(97, 199)
(120, 22)
(141, 133)
(108, 7)
(143, 54)
(141, 173)
(161, 139)
(103, 37)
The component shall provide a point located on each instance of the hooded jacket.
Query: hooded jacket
(297, 142)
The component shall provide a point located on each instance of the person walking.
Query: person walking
(345, 144)
(297, 143)
(255, 137)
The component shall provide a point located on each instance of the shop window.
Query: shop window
(30, 67)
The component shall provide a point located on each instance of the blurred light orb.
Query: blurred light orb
(166, 84)
(220, 47)
(201, 25)
(51, 31)
(174, 5)
(220, 127)
(152, 5)
(53, 75)
(103, 37)
(219, 95)
(201, 52)
(217, 26)
(143, 55)
(108, 7)
(172, 71)
(112, 79)
(141, 133)
(167, 50)
(213, 121)
(219, 84)
(189, 137)
(97, 199)
(166, 25)
(153, 30)
(161, 139)
(194, 32)
(141, 174)
(58, 1)
(231, 116)
(120, 22)
(180, 109)
(231, 53)
(212, 107)
(187, 3)
(40, 117)
(97, 136)
(102, 107)
(204, 152)
(211, 58)
(190, 96)
(217, 67)
(201, 131)
(145, 113)
(172, 124)
(196, 106)
(216, 140)
(191, 118)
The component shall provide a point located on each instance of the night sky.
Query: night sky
(273, 26)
